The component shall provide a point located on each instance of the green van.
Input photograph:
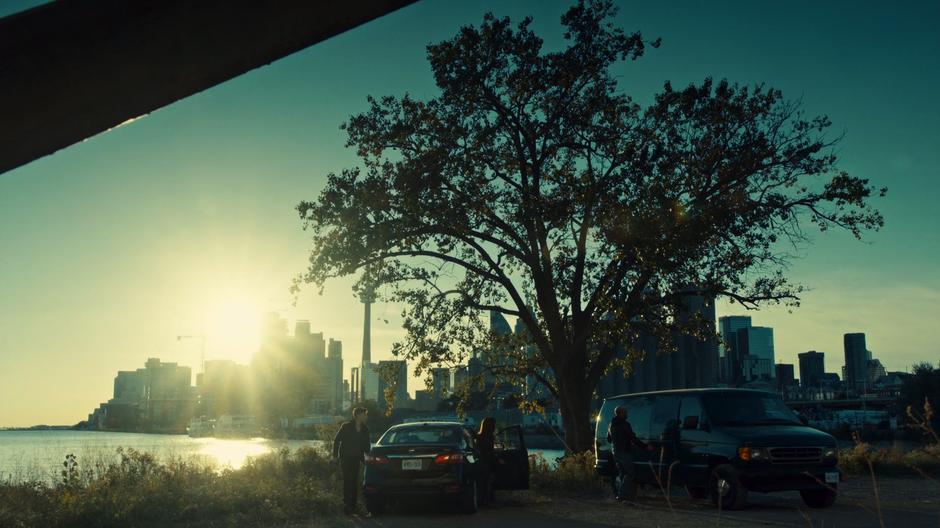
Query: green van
(723, 443)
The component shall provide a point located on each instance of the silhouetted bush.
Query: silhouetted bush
(573, 473)
(140, 491)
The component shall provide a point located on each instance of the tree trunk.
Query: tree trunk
(576, 414)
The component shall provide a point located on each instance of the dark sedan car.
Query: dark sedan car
(439, 459)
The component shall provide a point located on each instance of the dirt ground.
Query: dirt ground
(901, 502)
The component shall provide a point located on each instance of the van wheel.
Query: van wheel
(615, 485)
(818, 498)
(726, 489)
(470, 499)
(375, 505)
(697, 492)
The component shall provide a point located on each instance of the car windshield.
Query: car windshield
(420, 435)
(748, 408)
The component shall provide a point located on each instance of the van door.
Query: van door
(664, 437)
(512, 459)
(639, 412)
(693, 443)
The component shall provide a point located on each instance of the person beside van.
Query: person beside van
(622, 439)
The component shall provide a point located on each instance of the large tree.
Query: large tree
(533, 187)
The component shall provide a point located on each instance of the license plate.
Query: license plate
(832, 478)
(411, 464)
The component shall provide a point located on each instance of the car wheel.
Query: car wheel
(375, 505)
(697, 492)
(726, 489)
(470, 499)
(818, 498)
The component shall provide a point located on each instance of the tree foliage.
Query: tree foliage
(532, 186)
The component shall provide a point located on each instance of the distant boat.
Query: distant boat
(200, 427)
(235, 426)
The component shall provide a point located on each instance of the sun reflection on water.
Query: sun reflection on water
(233, 453)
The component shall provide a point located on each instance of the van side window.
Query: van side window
(690, 413)
(639, 412)
(665, 413)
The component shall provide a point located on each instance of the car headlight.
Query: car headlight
(830, 452)
(752, 454)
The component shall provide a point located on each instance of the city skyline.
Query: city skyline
(331, 346)
(115, 246)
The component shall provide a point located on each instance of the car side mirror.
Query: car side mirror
(690, 422)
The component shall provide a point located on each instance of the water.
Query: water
(38, 455)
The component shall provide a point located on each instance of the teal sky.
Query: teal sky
(182, 222)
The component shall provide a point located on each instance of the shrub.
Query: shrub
(573, 473)
(138, 491)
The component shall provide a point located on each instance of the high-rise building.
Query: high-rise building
(856, 361)
(224, 388)
(731, 358)
(696, 361)
(756, 368)
(693, 364)
(812, 369)
(534, 388)
(355, 383)
(334, 361)
(757, 341)
(785, 375)
(370, 382)
(500, 353)
(335, 349)
(498, 323)
(156, 398)
(875, 371)
(461, 377)
(393, 372)
(308, 381)
(440, 382)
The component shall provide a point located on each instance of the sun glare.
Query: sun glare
(233, 328)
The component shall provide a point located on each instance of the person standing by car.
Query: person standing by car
(350, 446)
(622, 439)
(486, 445)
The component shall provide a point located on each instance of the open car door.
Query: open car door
(512, 459)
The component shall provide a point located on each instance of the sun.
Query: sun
(233, 327)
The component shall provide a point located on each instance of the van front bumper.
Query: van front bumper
(766, 478)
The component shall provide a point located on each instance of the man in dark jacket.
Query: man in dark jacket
(622, 439)
(350, 447)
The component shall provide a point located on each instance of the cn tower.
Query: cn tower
(367, 297)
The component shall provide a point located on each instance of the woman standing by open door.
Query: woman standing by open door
(486, 445)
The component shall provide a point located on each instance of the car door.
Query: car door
(512, 459)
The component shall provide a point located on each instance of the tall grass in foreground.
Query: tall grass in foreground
(138, 490)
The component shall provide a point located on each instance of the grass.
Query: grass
(292, 487)
(279, 487)
(890, 462)
(573, 473)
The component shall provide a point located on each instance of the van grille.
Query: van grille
(795, 455)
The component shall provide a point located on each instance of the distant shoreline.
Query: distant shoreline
(42, 428)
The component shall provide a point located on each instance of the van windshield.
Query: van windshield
(748, 408)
